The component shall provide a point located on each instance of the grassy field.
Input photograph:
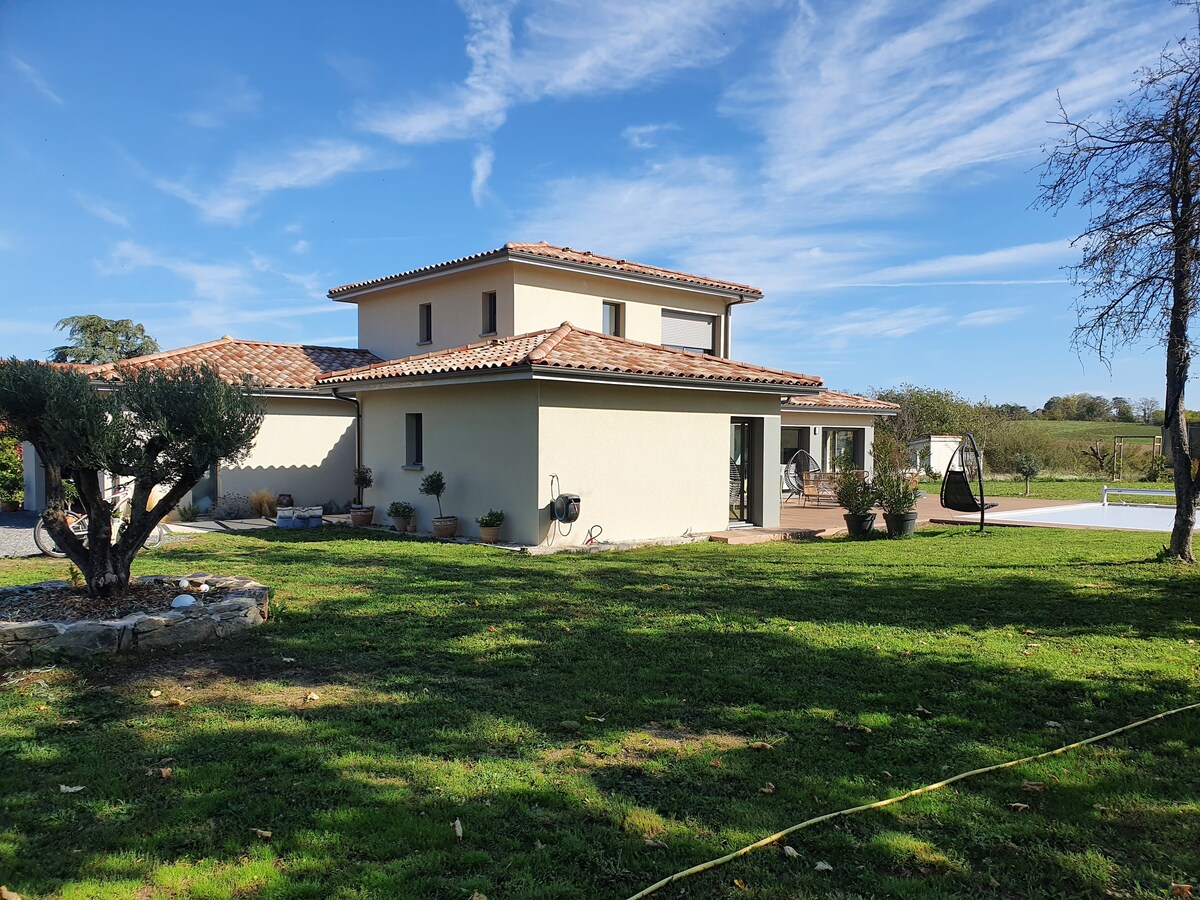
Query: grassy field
(592, 723)
(1089, 431)
(1072, 489)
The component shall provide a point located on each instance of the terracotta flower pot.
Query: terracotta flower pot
(489, 534)
(445, 526)
(412, 528)
(401, 523)
(10, 505)
(362, 516)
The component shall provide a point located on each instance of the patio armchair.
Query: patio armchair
(805, 480)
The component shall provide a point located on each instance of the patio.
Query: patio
(825, 520)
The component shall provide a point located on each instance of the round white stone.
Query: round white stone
(183, 600)
(204, 589)
(183, 583)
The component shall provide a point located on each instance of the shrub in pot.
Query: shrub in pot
(401, 513)
(489, 525)
(434, 485)
(362, 515)
(898, 497)
(858, 496)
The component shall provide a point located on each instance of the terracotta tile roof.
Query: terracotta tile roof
(828, 399)
(282, 366)
(568, 347)
(518, 249)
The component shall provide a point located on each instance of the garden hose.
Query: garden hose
(879, 804)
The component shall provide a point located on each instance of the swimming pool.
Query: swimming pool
(1131, 517)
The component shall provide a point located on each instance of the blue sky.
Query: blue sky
(869, 164)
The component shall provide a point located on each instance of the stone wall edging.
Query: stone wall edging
(245, 606)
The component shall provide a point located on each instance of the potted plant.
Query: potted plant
(857, 495)
(401, 513)
(362, 515)
(489, 525)
(898, 497)
(434, 485)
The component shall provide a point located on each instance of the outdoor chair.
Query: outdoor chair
(958, 493)
(804, 479)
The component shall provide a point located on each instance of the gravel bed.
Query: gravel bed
(16, 534)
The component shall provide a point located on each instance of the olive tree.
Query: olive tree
(155, 428)
(1137, 173)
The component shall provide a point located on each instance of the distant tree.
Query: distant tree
(1122, 410)
(924, 411)
(1013, 412)
(1027, 467)
(1137, 173)
(95, 339)
(1146, 407)
(155, 428)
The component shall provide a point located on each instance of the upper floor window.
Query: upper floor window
(425, 324)
(489, 312)
(612, 323)
(693, 332)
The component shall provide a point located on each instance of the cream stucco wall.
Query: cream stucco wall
(545, 298)
(482, 437)
(388, 319)
(817, 422)
(305, 448)
(647, 462)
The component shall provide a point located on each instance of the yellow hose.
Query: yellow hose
(879, 804)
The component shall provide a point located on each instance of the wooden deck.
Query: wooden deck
(797, 522)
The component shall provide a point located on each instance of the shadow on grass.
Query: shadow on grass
(585, 705)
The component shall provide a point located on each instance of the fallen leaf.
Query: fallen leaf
(265, 835)
(790, 852)
(1050, 723)
(1029, 631)
(312, 695)
(493, 629)
(1181, 890)
(476, 895)
(288, 660)
(476, 602)
(1191, 641)
(1018, 807)
(767, 788)
(739, 884)
(716, 763)
(594, 718)
(456, 827)
(791, 628)
(759, 745)
(6, 894)
(654, 845)
(68, 789)
(1033, 787)
(43, 708)
(175, 701)
(165, 772)
(155, 693)
(923, 712)
(823, 866)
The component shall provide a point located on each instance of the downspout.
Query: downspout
(357, 437)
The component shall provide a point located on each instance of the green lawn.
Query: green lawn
(568, 709)
(1073, 489)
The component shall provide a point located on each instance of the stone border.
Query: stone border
(243, 607)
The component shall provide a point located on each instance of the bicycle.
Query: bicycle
(79, 527)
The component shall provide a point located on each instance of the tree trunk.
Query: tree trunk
(108, 569)
(1178, 364)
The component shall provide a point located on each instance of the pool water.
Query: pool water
(1132, 517)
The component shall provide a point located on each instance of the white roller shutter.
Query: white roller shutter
(691, 330)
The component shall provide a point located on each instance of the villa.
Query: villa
(533, 370)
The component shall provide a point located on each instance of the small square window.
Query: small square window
(612, 323)
(425, 324)
(489, 312)
(414, 453)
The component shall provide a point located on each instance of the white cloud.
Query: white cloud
(558, 50)
(34, 78)
(301, 247)
(252, 180)
(101, 211)
(232, 98)
(874, 323)
(982, 318)
(1010, 261)
(481, 171)
(642, 137)
(218, 282)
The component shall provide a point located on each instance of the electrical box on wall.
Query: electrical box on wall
(565, 508)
